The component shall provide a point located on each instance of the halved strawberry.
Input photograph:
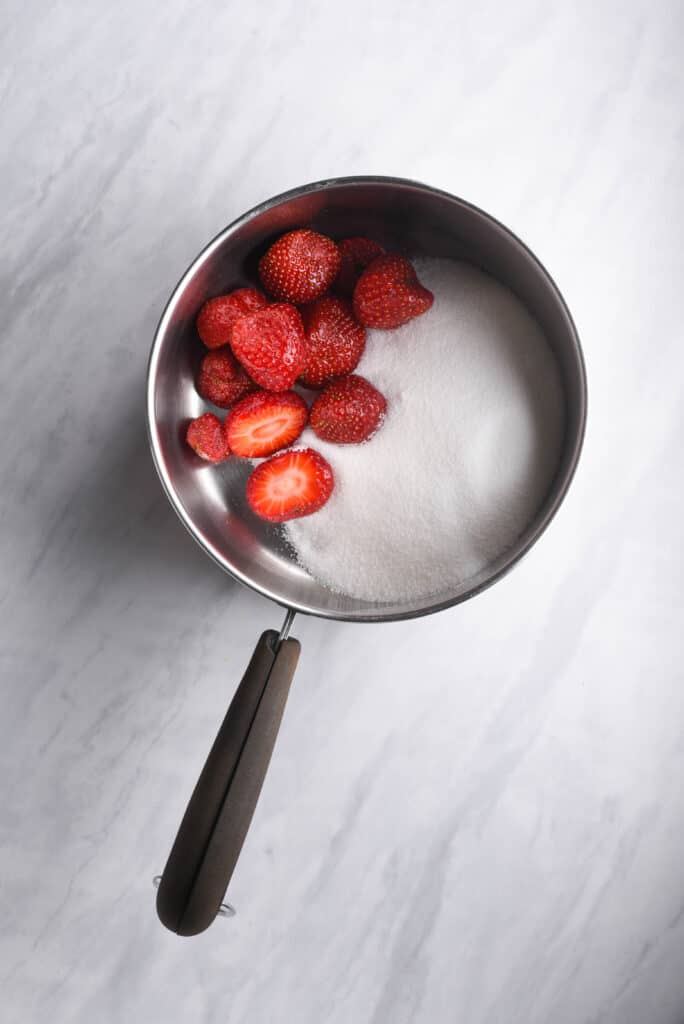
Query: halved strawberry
(300, 266)
(218, 316)
(389, 293)
(334, 341)
(349, 411)
(356, 254)
(221, 379)
(265, 422)
(206, 437)
(271, 346)
(290, 485)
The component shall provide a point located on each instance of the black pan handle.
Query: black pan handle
(218, 816)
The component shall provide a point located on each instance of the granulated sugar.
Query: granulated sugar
(464, 458)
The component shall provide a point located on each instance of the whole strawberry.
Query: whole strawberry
(206, 437)
(389, 293)
(356, 254)
(217, 317)
(349, 411)
(221, 379)
(271, 346)
(335, 341)
(300, 266)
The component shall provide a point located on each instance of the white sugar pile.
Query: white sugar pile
(464, 458)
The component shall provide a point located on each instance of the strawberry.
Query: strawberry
(300, 266)
(271, 346)
(264, 422)
(206, 436)
(389, 293)
(221, 379)
(356, 254)
(217, 317)
(334, 341)
(349, 411)
(290, 485)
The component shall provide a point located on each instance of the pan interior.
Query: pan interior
(402, 216)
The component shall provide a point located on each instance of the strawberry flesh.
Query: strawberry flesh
(218, 316)
(265, 422)
(300, 266)
(206, 437)
(290, 485)
(389, 293)
(335, 341)
(349, 411)
(271, 346)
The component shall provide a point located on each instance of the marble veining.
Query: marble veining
(470, 817)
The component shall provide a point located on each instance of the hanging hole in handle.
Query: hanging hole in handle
(225, 910)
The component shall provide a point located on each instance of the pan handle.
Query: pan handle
(220, 810)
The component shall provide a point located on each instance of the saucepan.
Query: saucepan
(405, 216)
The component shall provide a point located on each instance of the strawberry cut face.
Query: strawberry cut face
(290, 485)
(265, 422)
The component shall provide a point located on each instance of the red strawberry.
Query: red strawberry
(217, 317)
(349, 411)
(271, 346)
(206, 436)
(334, 341)
(221, 379)
(264, 422)
(290, 485)
(300, 266)
(356, 253)
(389, 293)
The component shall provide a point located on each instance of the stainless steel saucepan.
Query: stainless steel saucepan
(404, 216)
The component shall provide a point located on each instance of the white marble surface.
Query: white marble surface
(472, 817)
